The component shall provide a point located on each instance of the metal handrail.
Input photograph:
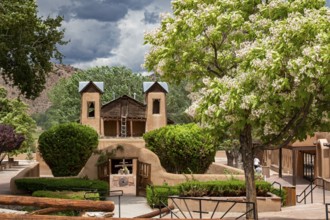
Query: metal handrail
(119, 194)
(279, 184)
(311, 187)
(201, 212)
(327, 211)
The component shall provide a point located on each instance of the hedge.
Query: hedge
(220, 188)
(54, 184)
(80, 195)
(157, 195)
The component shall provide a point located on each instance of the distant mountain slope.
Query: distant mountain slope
(41, 103)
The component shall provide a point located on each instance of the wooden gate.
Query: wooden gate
(143, 178)
(103, 171)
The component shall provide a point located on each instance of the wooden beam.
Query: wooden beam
(46, 211)
(152, 214)
(69, 204)
(54, 217)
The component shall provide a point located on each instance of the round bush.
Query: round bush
(67, 147)
(182, 148)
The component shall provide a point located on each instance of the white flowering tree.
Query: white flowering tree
(260, 68)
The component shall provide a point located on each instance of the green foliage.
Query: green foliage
(27, 44)
(60, 184)
(64, 194)
(279, 193)
(67, 147)
(118, 81)
(220, 188)
(182, 148)
(157, 195)
(15, 113)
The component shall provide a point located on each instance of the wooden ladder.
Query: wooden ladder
(123, 132)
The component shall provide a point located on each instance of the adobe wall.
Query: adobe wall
(31, 171)
(133, 148)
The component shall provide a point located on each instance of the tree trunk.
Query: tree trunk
(247, 158)
(230, 158)
(236, 159)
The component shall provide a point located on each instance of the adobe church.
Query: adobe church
(122, 122)
(124, 116)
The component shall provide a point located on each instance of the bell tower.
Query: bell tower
(155, 97)
(90, 113)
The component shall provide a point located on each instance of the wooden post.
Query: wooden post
(118, 128)
(69, 204)
(294, 168)
(280, 163)
(131, 127)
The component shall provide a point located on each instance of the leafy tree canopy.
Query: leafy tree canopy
(9, 140)
(27, 43)
(262, 67)
(118, 81)
(13, 112)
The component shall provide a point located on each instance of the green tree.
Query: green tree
(14, 112)
(118, 81)
(67, 147)
(182, 148)
(261, 68)
(27, 43)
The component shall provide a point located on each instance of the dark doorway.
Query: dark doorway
(309, 160)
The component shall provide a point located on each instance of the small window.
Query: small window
(91, 109)
(156, 106)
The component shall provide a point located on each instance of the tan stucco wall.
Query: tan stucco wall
(323, 166)
(155, 121)
(31, 171)
(94, 122)
(158, 173)
(216, 168)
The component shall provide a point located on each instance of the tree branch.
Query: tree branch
(302, 115)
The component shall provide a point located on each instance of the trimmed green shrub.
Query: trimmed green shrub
(80, 195)
(67, 147)
(220, 188)
(182, 148)
(54, 184)
(157, 195)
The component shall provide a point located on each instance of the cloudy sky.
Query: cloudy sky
(105, 32)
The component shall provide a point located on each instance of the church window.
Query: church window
(91, 109)
(156, 106)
